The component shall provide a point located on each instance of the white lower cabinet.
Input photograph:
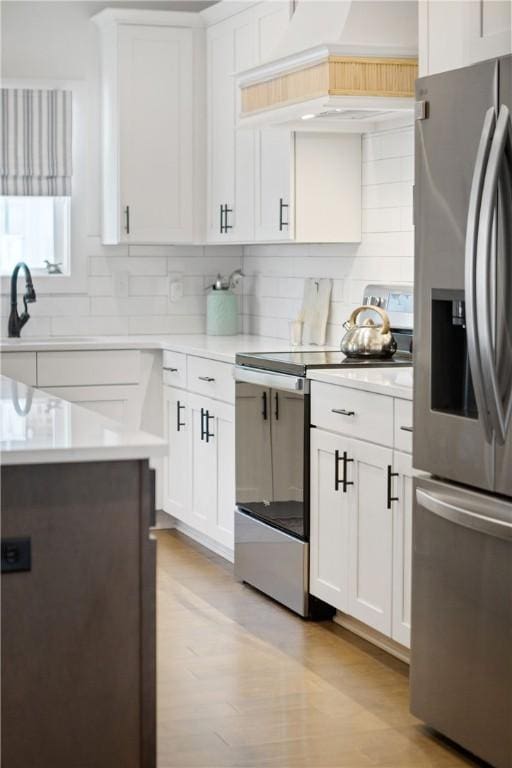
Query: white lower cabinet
(212, 468)
(370, 535)
(402, 548)
(120, 402)
(176, 471)
(351, 527)
(361, 523)
(329, 520)
(199, 476)
(20, 366)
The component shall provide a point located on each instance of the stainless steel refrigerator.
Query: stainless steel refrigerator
(461, 650)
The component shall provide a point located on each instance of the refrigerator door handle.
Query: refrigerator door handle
(443, 506)
(475, 202)
(485, 270)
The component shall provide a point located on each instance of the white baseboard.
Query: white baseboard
(372, 636)
(165, 521)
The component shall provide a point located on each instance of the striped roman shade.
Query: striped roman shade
(35, 142)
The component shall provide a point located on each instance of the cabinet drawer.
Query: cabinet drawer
(211, 378)
(85, 368)
(120, 402)
(20, 366)
(352, 412)
(403, 425)
(175, 369)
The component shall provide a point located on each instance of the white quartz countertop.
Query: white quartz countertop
(395, 382)
(223, 348)
(39, 428)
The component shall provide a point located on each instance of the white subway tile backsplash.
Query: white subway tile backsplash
(133, 305)
(407, 168)
(387, 195)
(188, 305)
(88, 326)
(175, 324)
(382, 220)
(59, 306)
(148, 286)
(100, 286)
(383, 171)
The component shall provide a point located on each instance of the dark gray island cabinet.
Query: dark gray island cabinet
(77, 593)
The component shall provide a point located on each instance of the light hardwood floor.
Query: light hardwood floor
(244, 682)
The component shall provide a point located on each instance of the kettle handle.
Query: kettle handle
(383, 315)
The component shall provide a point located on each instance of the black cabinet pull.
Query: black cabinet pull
(127, 219)
(343, 412)
(208, 379)
(203, 433)
(337, 480)
(282, 207)
(391, 498)
(227, 226)
(276, 410)
(264, 412)
(171, 370)
(221, 207)
(346, 482)
(406, 429)
(179, 423)
(208, 434)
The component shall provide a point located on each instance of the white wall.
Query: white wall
(125, 288)
(274, 283)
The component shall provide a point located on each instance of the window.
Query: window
(35, 178)
(35, 230)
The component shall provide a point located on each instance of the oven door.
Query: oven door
(272, 446)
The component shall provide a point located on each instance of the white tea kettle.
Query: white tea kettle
(368, 339)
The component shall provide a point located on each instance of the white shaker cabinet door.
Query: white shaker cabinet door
(402, 548)
(274, 185)
(370, 535)
(120, 403)
(203, 468)
(230, 48)
(489, 29)
(222, 523)
(274, 148)
(212, 463)
(156, 140)
(176, 467)
(329, 519)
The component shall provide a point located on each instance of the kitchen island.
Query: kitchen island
(78, 585)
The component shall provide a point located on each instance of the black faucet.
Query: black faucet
(16, 322)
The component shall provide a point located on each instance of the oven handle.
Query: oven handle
(271, 380)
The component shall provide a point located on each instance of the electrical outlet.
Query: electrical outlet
(16, 555)
(121, 280)
(175, 290)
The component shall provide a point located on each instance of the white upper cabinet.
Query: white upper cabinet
(273, 185)
(151, 73)
(274, 148)
(269, 184)
(458, 33)
(230, 153)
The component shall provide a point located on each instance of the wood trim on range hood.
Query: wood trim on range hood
(362, 76)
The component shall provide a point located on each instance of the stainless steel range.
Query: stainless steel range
(272, 456)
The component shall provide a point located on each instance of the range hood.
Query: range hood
(341, 65)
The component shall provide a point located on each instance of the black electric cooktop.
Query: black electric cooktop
(298, 363)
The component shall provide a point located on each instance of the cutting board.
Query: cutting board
(315, 309)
